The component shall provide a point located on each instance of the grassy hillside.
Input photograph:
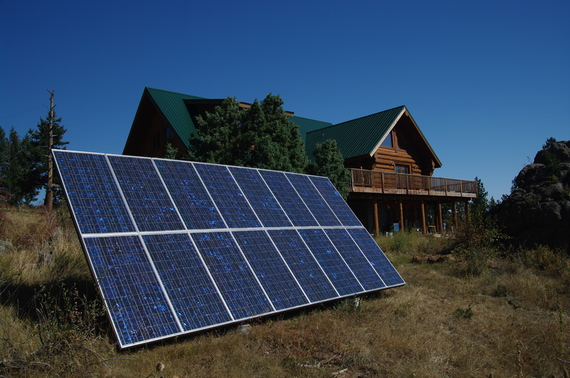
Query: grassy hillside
(476, 312)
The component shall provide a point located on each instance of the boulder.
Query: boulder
(538, 209)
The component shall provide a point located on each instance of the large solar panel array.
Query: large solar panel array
(179, 246)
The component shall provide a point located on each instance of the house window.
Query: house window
(169, 134)
(156, 141)
(402, 168)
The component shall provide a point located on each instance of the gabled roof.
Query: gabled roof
(349, 134)
(355, 138)
(363, 136)
(173, 107)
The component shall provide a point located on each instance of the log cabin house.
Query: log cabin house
(392, 165)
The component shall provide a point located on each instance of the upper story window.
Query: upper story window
(156, 141)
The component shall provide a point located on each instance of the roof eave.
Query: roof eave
(381, 140)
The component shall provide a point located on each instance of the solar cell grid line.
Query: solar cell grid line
(234, 278)
(303, 264)
(137, 306)
(272, 271)
(356, 260)
(189, 195)
(288, 198)
(376, 257)
(335, 201)
(313, 200)
(260, 197)
(332, 262)
(227, 196)
(95, 202)
(195, 297)
(146, 196)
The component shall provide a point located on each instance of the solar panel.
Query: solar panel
(177, 246)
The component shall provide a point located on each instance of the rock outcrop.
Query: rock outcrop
(538, 209)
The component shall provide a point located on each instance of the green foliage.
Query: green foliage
(476, 239)
(24, 161)
(480, 205)
(39, 152)
(330, 163)
(260, 136)
(171, 151)
(549, 142)
(18, 168)
(217, 140)
(272, 141)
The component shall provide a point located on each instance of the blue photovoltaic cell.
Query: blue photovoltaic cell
(270, 269)
(311, 197)
(228, 197)
(378, 259)
(260, 197)
(132, 293)
(192, 292)
(235, 280)
(177, 246)
(334, 266)
(288, 199)
(147, 197)
(335, 201)
(189, 195)
(303, 264)
(93, 193)
(355, 259)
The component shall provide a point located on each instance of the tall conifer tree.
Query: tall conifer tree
(330, 163)
(259, 136)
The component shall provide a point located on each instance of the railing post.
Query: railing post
(382, 180)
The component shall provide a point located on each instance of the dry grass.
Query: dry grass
(513, 319)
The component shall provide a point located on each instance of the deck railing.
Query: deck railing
(366, 181)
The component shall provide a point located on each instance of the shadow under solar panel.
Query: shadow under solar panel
(177, 246)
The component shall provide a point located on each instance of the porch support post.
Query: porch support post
(376, 223)
(439, 217)
(424, 225)
(401, 215)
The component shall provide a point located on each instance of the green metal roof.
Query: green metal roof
(173, 107)
(357, 137)
(307, 125)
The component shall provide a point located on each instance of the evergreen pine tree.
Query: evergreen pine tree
(480, 204)
(17, 168)
(216, 141)
(39, 142)
(330, 163)
(259, 136)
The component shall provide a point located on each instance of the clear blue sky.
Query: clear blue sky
(487, 82)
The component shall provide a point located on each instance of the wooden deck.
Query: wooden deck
(366, 181)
